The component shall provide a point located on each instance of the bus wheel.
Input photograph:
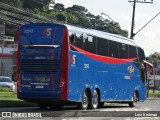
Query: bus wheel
(43, 106)
(94, 100)
(85, 101)
(134, 102)
(100, 104)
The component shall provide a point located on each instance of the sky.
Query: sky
(121, 11)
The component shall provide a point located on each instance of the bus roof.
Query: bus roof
(93, 32)
(104, 35)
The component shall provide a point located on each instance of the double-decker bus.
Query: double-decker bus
(60, 64)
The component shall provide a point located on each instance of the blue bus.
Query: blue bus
(60, 64)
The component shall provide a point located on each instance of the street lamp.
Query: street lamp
(107, 16)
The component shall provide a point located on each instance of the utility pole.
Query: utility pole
(133, 14)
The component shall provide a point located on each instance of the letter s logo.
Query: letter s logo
(47, 32)
(73, 59)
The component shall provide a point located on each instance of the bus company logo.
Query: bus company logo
(73, 59)
(131, 69)
(47, 33)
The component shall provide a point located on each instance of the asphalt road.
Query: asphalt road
(148, 110)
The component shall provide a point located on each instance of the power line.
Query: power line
(133, 14)
(147, 23)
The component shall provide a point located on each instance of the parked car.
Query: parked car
(6, 82)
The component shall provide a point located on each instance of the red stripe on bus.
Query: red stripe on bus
(104, 59)
(65, 65)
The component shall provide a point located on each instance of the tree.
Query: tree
(16, 3)
(32, 4)
(59, 7)
(61, 17)
(76, 9)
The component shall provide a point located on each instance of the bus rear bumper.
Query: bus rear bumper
(36, 96)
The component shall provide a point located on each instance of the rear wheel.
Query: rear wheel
(85, 101)
(100, 104)
(134, 102)
(94, 100)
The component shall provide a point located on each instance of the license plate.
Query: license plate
(38, 86)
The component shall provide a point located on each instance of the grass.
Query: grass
(156, 94)
(9, 99)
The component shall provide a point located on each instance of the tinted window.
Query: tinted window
(123, 50)
(132, 52)
(89, 43)
(113, 49)
(102, 47)
(141, 55)
(76, 39)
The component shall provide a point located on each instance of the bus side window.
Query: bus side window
(141, 55)
(123, 50)
(113, 49)
(133, 52)
(72, 38)
(76, 39)
(102, 46)
(90, 43)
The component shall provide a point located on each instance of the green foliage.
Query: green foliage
(38, 4)
(59, 7)
(156, 94)
(9, 99)
(61, 17)
(15, 3)
(75, 15)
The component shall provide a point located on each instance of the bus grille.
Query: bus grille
(40, 66)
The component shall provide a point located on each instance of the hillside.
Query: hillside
(18, 12)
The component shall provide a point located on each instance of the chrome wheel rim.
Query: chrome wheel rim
(95, 99)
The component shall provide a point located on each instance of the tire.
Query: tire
(134, 102)
(85, 101)
(43, 106)
(94, 100)
(100, 104)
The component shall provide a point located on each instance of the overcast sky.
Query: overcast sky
(121, 11)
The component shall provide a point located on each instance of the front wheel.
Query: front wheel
(94, 100)
(134, 102)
